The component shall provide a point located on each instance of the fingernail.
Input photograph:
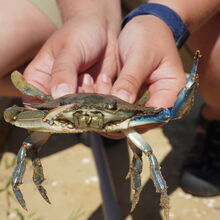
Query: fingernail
(80, 89)
(87, 80)
(61, 90)
(106, 78)
(124, 95)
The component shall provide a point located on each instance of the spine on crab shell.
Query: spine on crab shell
(185, 98)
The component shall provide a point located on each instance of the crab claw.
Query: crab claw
(43, 193)
(38, 177)
(19, 196)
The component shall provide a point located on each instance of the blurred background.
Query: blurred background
(71, 179)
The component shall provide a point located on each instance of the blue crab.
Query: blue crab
(78, 113)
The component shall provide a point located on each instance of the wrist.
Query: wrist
(150, 29)
(167, 15)
(102, 8)
(107, 11)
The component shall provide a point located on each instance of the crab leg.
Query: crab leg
(38, 175)
(155, 172)
(26, 88)
(135, 174)
(18, 174)
(55, 112)
(139, 142)
(185, 97)
(35, 139)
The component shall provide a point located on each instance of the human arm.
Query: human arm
(24, 28)
(194, 13)
(149, 56)
(84, 44)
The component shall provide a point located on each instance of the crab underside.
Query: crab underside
(78, 113)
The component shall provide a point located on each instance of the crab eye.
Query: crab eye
(111, 106)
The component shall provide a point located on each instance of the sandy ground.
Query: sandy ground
(73, 185)
(72, 182)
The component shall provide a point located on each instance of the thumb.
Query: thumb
(132, 76)
(64, 72)
(38, 71)
(165, 84)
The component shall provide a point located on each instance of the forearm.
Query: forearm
(24, 29)
(105, 8)
(193, 12)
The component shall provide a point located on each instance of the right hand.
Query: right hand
(84, 44)
(149, 58)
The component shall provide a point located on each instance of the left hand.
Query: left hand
(149, 58)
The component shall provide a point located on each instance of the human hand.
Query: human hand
(149, 59)
(84, 44)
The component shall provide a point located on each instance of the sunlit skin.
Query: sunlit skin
(108, 61)
(25, 29)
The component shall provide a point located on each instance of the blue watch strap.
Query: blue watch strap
(170, 17)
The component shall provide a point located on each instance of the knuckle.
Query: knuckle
(131, 82)
(61, 69)
(58, 70)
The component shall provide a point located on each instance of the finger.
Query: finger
(108, 71)
(80, 89)
(88, 85)
(64, 72)
(38, 72)
(164, 93)
(132, 75)
(104, 83)
(166, 82)
(163, 75)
